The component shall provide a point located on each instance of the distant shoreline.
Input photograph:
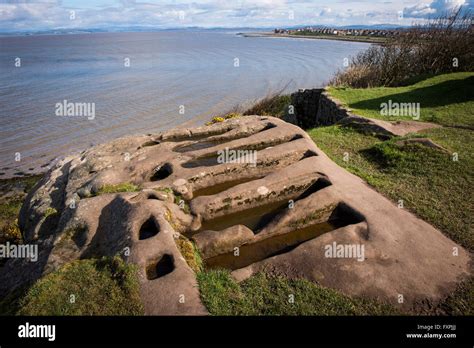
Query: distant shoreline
(375, 40)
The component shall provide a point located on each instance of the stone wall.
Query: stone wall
(330, 111)
(314, 107)
(306, 103)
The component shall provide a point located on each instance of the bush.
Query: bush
(445, 44)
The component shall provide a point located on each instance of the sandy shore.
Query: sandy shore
(375, 40)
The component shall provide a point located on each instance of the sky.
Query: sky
(37, 15)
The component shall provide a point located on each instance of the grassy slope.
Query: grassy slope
(265, 295)
(446, 99)
(429, 182)
(100, 287)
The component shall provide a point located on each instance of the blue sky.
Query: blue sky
(31, 15)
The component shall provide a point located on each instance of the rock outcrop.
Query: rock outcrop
(254, 193)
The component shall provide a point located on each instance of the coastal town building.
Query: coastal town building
(340, 32)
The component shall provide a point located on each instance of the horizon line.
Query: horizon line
(138, 28)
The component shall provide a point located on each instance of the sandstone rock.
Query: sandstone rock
(212, 243)
(281, 211)
(385, 128)
(422, 141)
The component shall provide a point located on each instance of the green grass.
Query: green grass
(460, 302)
(123, 187)
(267, 295)
(446, 99)
(106, 286)
(429, 182)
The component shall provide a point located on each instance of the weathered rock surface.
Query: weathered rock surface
(422, 141)
(213, 243)
(387, 128)
(277, 211)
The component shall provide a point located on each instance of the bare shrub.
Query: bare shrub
(273, 104)
(444, 44)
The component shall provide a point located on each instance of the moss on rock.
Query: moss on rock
(123, 187)
(190, 253)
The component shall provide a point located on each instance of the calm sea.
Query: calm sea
(141, 83)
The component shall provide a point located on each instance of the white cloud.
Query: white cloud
(435, 8)
(325, 11)
(54, 14)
